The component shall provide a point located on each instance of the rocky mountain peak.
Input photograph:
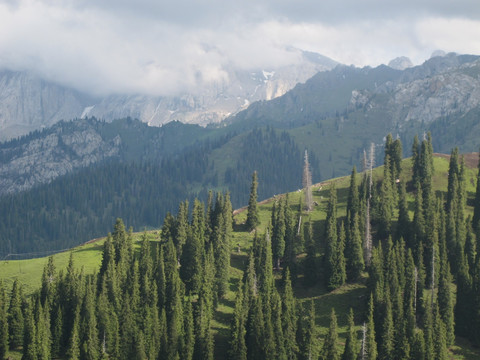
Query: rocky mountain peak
(400, 63)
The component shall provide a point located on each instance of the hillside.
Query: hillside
(343, 298)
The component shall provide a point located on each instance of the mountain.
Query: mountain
(28, 102)
(400, 63)
(42, 156)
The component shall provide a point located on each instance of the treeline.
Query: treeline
(81, 206)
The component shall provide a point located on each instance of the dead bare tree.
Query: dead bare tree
(368, 166)
(363, 351)
(307, 184)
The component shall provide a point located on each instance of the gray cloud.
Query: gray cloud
(164, 47)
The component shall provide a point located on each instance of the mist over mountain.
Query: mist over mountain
(28, 102)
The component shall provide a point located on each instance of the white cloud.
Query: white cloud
(157, 47)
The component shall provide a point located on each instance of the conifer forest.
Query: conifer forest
(418, 260)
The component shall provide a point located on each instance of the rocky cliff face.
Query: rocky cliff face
(45, 158)
(441, 88)
(29, 103)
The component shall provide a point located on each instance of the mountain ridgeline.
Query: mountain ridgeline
(165, 299)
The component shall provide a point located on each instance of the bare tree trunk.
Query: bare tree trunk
(368, 235)
(363, 353)
(307, 184)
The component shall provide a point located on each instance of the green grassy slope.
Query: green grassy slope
(342, 299)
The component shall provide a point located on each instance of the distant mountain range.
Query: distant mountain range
(28, 102)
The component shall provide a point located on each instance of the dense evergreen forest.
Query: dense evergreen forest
(80, 206)
(422, 276)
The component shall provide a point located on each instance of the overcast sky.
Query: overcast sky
(165, 46)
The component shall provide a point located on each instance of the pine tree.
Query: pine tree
(289, 311)
(440, 337)
(329, 350)
(476, 206)
(255, 330)
(418, 348)
(163, 340)
(306, 338)
(73, 350)
(351, 347)
(189, 327)
(252, 211)
(310, 262)
(48, 278)
(386, 347)
(429, 332)
(280, 352)
(191, 261)
(410, 295)
(340, 263)
(334, 274)
(403, 223)
(470, 245)
(278, 235)
(43, 334)
(89, 347)
(416, 163)
(56, 330)
(291, 230)
(15, 317)
(30, 335)
(353, 252)
(475, 304)
(181, 228)
(3, 322)
(370, 343)
(445, 302)
(387, 199)
(238, 347)
(222, 250)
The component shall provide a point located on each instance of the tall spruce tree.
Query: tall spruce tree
(351, 347)
(15, 317)
(278, 233)
(476, 206)
(252, 211)
(238, 347)
(306, 338)
(3, 322)
(289, 311)
(29, 335)
(370, 346)
(334, 274)
(353, 252)
(329, 349)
